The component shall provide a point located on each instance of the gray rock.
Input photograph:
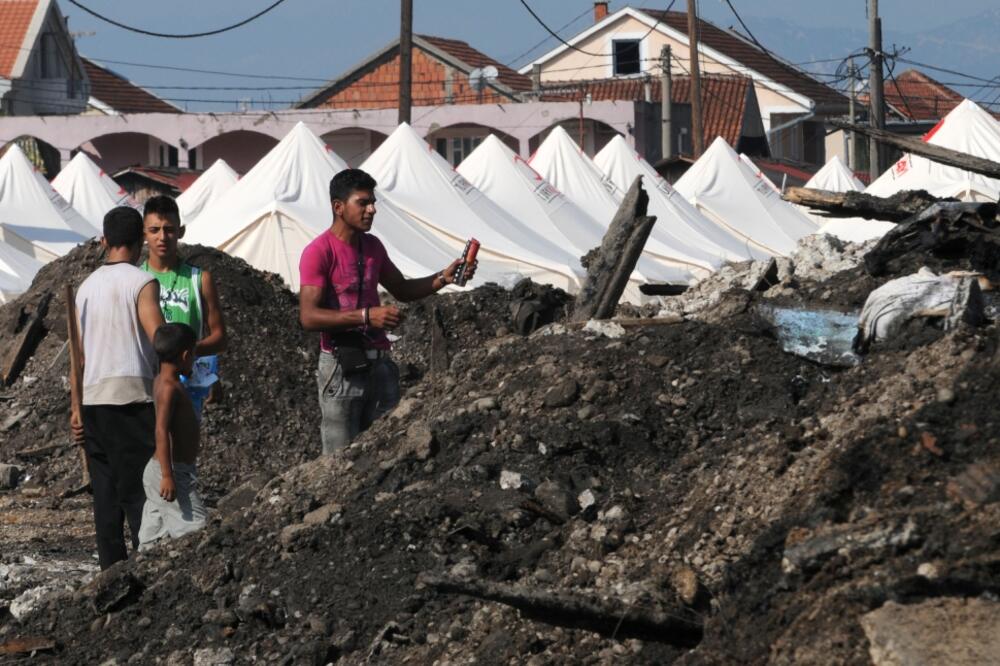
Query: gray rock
(486, 404)
(293, 536)
(111, 589)
(513, 480)
(322, 515)
(563, 394)
(404, 408)
(221, 618)
(420, 442)
(8, 476)
(557, 499)
(214, 657)
(243, 495)
(954, 631)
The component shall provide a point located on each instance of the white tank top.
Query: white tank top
(119, 360)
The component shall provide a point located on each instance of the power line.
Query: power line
(211, 72)
(167, 35)
(576, 48)
(946, 71)
(511, 62)
(750, 34)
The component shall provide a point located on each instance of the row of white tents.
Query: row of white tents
(534, 218)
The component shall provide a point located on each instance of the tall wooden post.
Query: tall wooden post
(698, 137)
(405, 59)
(666, 126)
(876, 162)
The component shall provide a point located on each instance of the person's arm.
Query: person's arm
(412, 290)
(215, 340)
(75, 415)
(148, 308)
(164, 455)
(314, 317)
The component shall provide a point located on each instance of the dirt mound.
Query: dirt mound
(690, 472)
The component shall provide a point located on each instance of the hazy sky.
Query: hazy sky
(320, 39)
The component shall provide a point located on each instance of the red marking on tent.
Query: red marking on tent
(518, 158)
(933, 130)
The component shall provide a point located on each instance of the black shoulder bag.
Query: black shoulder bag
(349, 346)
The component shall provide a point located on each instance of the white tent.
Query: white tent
(89, 190)
(503, 176)
(17, 270)
(283, 203)
(967, 128)
(730, 194)
(212, 184)
(677, 221)
(836, 177)
(34, 218)
(560, 161)
(418, 180)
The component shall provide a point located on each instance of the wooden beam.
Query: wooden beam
(664, 621)
(610, 266)
(896, 208)
(25, 343)
(939, 154)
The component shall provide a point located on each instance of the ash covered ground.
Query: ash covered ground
(784, 511)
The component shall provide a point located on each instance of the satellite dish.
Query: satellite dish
(480, 77)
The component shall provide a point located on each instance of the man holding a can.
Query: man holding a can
(339, 274)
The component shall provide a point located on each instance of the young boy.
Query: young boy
(187, 294)
(173, 506)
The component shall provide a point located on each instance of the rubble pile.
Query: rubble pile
(679, 492)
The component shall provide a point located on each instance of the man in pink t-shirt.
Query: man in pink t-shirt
(339, 274)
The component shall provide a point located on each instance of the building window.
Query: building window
(626, 56)
(49, 56)
(457, 148)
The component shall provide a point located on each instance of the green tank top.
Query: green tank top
(180, 295)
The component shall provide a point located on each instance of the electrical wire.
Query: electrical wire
(168, 35)
(578, 49)
(749, 34)
(511, 62)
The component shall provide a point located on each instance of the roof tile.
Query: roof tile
(916, 96)
(462, 51)
(752, 57)
(723, 98)
(121, 94)
(15, 17)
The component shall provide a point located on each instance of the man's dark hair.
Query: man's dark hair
(123, 227)
(172, 340)
(348, 181)
(163, 206)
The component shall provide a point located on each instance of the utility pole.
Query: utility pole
(666, 126)
(405, 59)
(875, 92)
(851, 148)
(698, 143)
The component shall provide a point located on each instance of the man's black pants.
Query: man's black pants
(119, 440)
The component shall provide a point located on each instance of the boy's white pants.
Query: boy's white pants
(162, 519)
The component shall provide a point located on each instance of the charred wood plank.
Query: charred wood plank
(938, 154)
(610, 266)
(664, 621)
(896, 208)
(26, 343)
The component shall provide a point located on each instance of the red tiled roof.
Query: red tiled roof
(723, 98)
(749, 55)
(462, 51)
(916, 96)
(15, 17)
(121, 94)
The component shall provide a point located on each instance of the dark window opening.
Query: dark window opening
(626, 56)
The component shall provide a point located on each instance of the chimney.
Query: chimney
(600, 11)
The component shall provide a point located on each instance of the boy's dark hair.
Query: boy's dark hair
(348, 181)
(123, 227)
(163, 206)
(172, 340)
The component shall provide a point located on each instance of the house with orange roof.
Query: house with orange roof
(40, 70)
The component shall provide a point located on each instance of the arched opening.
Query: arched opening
(117, 151)
(353, 144)
(590, 134)
(241, 149)
(43, 155)
(455, 142)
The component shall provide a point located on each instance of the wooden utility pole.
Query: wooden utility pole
(666, 126)
(852, 150)
(698, 138)
(876, 162)
(405, 59)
